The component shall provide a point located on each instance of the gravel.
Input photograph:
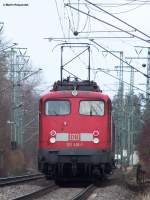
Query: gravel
(113, 189)
(10, 192)
(61, 194)
(113, 192)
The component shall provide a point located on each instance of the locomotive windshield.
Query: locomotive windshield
(92, 108)
(57, 107)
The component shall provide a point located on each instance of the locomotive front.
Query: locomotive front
(75, 138)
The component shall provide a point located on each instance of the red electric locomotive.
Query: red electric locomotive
(75, 131)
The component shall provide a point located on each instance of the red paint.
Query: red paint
(75, 122)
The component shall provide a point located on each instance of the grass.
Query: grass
(142, 192)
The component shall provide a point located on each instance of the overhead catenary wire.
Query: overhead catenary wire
(70, 26)
(121, 12)
(108, 31)
(86, 22)
(116, 5)
(129, 10)
(100, 69)
(107, 23)
(119, 58)
(72, 18)
(140, 0)
(117, 18)
(78, 16)
(59, 18)
(87, 37)
(119, 5)
(75, 30)
(123, 4)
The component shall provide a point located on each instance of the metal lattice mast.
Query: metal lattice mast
(121, 105)
(130, 120)
(12, 79)
(17, 62)
(119, 119)
(148, 78)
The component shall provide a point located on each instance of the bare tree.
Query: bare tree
(144, 140)
(4, 109)
(30, 138)
(13, 161)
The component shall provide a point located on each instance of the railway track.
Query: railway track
(113, 188)
(85, 193)
(37, 193)
(82, 195)
(19, 179)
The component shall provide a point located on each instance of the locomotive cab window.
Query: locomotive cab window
(57, 107)
(92, 108)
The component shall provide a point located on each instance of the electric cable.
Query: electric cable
(126, 11)
(72, 17)
(59, 18)
(120, 59)
(100, 69)
(117, 18)
(108, 23)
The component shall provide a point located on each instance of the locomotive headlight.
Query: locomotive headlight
(95, 133)
(96, 140)
(53, 133)
(52, 140)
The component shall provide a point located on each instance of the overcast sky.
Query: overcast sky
(28, 25)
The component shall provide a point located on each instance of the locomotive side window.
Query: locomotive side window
(57, 107)
(91, 108)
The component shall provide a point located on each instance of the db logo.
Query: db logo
(74, 136)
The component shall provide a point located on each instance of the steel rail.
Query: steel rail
(19, 179)
(84, 194)
(37, 193)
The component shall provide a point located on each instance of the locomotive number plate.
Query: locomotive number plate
(74, 144)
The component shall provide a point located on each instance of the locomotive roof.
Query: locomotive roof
(80, 94)
(82, 89)
(84, 85)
